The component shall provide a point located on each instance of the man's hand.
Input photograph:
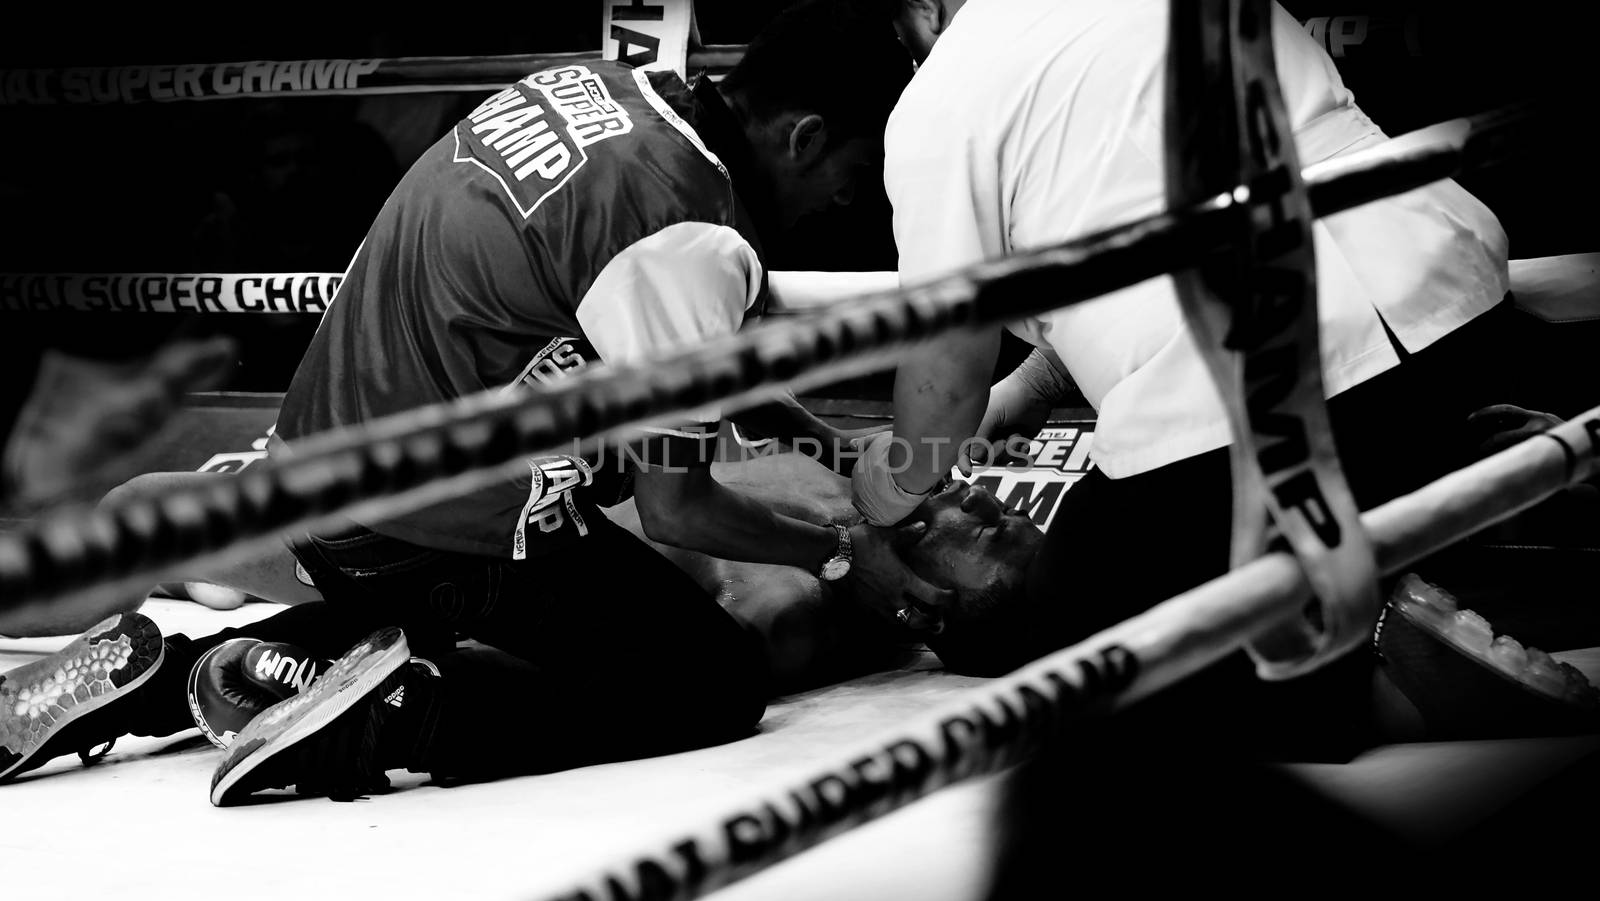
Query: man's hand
(873, 487)
(1019, 406)
(1014, 417)
(888, 587)
(845, 446)
(1500, 426)
(84, 417)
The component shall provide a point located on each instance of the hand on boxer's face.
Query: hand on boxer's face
(886, 584)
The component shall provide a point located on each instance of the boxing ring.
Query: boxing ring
(825, 776)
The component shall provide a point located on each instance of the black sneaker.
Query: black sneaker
(66, 703)
(1467, 683)
(324, 740)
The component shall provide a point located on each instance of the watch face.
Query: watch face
(835, 569)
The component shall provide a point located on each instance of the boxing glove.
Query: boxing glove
(241, 677)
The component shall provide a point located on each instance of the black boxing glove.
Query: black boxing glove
(241, 677)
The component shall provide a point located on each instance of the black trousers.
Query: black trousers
(604, 653)
(1119, 546)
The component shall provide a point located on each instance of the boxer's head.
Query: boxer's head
(962, 538)
(814, 90)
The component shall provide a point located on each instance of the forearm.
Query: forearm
(798, 291)
(940, 395)
(721, 522)
(784, 419)
(1041, 376)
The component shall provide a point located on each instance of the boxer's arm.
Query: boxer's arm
(687, 508)
(784, 419)
(787, 421)
(812, 636)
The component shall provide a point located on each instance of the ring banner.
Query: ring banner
(167, 292)
(648, 35)
(660, 44)
(658, 34)
(1252, 309)
(240, 80)
(1400, 164)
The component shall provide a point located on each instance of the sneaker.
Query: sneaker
(46, 706)
(324, 740)
(1466, 682)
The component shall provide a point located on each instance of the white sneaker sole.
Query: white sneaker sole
(283, 725)
(39, 699)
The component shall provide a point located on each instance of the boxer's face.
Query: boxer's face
(971, 541)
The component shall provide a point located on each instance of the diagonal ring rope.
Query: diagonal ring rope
(1013, 718)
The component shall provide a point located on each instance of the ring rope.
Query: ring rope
(1361, 177)
(1012, 718)
(410, 460)
(102, 85)
(1388, 36)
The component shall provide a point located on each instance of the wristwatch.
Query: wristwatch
(838, 566)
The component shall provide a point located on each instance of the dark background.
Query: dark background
(291, 184)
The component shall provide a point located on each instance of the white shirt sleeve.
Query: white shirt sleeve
(686, 284)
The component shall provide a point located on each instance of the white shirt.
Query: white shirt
(1037, 121)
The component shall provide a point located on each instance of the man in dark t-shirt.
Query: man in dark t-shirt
(589, 214)
(579, 216)
(592, 213)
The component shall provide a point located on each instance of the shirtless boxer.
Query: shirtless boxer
(813, 632)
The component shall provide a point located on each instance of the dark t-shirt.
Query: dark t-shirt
(575, 217)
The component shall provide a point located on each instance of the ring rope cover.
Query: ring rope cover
(657, 34)
(1252, 309)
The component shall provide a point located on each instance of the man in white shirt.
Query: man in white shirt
(1033, 122)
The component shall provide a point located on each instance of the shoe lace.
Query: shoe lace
(95, 753)
(344, 765)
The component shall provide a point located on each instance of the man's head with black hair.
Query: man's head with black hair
(813, 91)
(992, 631)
